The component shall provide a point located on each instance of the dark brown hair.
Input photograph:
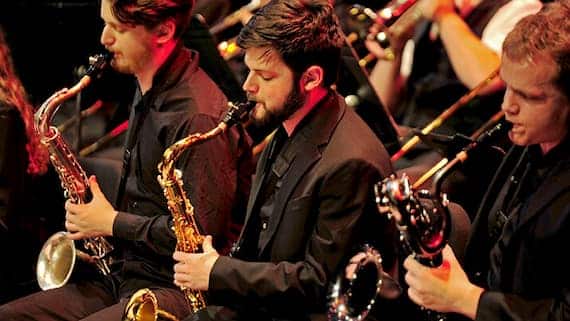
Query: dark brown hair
(151, 13)
(304, 32)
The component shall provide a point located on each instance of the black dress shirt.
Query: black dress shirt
(216, 173)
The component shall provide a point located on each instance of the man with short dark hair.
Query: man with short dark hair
(311, 204)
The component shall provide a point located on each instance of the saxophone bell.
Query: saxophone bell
(143, 306)
(352, 296)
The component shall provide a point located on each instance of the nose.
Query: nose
(249, 85)
(510, 105)
(106, 37)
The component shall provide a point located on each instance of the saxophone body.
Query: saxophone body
(188, 237)
(142, 305)
(57, 257)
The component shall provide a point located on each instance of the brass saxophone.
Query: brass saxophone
(142, 305)
(57, 256)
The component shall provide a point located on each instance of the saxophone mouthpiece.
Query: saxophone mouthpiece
(98, 63)
(237, 113)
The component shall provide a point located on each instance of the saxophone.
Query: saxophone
(425, 231)
(142, 305)
(57, 256)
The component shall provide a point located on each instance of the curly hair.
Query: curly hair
(12, 92)
(546, 33)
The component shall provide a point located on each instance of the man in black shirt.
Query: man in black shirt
(174, 98)
(312, 200)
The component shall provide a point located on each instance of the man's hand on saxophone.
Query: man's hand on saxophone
(193, 269)
(90, 219)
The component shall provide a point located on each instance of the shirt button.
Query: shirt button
(134, 204)
(264, 225)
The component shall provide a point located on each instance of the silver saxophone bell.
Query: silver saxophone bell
(352, 296)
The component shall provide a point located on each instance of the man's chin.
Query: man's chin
(260, 121)
(518, 139)
(264, 120)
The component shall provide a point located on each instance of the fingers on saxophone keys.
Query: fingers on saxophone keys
(181, 279)
(180, 256)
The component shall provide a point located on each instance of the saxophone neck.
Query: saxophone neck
(172, 153)
(235, 114)
(43, 116)
(50, 106)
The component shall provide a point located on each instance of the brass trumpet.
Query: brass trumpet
(394, 20)
(229, 49)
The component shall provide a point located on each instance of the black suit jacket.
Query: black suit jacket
(323, 208)
(532, 282)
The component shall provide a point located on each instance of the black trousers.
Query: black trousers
(86, 300)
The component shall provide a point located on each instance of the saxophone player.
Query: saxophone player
(311, 202)
(512, 268)
(174, 98)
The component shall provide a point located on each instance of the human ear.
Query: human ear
(312, 77)
(165, 31)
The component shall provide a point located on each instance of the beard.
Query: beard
(272, 118)
(133, 61)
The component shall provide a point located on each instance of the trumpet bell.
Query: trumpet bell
(56, 261)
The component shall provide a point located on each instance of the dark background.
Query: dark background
(49, 40)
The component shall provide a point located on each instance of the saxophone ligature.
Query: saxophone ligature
(57, 256)
(142, 305)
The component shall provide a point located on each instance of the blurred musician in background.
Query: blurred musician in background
(455, 47)
(450, 48)
(173, 98)
(512, 268)
(24, 164)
